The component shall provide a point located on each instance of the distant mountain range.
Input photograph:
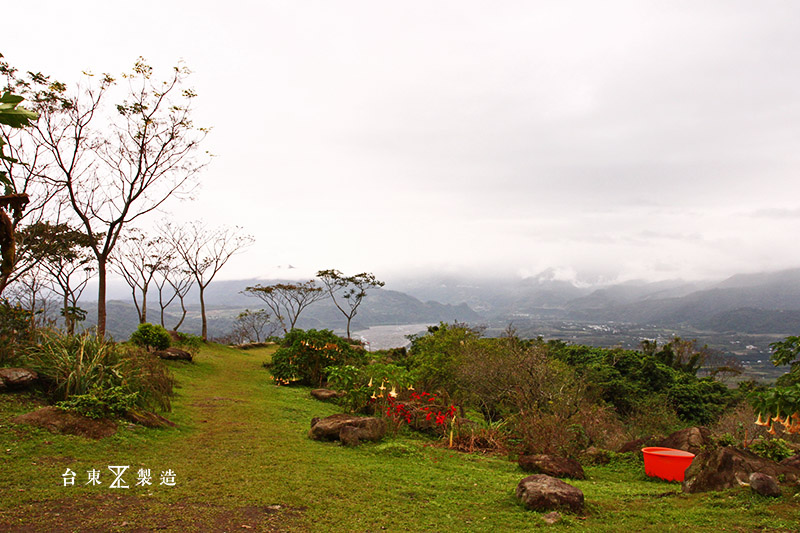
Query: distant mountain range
(767, 303)
(747, 303)
(224, 301)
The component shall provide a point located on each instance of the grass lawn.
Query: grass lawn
(242, 461)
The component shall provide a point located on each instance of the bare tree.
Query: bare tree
(137, 259)
(204, 252)
(351, 290)
(287, 300)
(172, 281)
(112, 171)
(253, 326)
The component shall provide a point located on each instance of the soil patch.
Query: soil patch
(107, 512)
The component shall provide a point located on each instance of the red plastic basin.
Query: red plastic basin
(666, 463)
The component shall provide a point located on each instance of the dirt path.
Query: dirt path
(216, 453)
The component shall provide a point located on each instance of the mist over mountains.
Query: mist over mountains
(747, 303)
(764, 303)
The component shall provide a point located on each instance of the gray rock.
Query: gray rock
(541, 492)
(552, 466)
(348, 436)
(765, 485)
(17, 378)
(366, 428)
(727, 467)
(693, 440)
(325, 394)
(174, 354)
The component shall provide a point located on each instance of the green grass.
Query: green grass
(242, 458)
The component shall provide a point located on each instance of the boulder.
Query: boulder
(637, 445)
(793, 461)
(348, 436)
(17, 378)
(726, 467)
(58, 420)
(552, 466)
(693, 440)
(765, 485)
(541, 492)
(363, 428)
(325, 394)
(174, 354)
(596, 456)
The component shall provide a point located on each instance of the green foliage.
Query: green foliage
(781, 403)
(355, 382)
(305, 355)
(627, 379)
(11, 114)
(774, 449)
(113, 402)
(84, 365)
(15, 330)
(190, 343)
(434, 356)
(151, 336)
(785, 351)
(699, 402)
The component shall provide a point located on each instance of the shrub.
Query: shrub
(434, 356)
(359, 383)
(101, 403)
(774, 449)
(151, 336)
(190, 343)
(305, 355)
(85, 365)
(15, 330)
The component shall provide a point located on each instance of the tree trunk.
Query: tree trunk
(67, 318)
(144, 304)
(203, 313)
(101, 297)
(348, 327)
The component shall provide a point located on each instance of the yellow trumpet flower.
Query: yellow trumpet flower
(370, 383)
(393, 393)
(411, 387)
(761, 422)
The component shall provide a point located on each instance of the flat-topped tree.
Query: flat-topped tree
(287, 300)
(350, 290)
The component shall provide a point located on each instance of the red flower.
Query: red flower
(428, 416)
(440, 419)
(388, 411)
(432, 399)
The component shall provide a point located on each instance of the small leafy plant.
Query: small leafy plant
(151, 336)
(101, 403)
(774, 449)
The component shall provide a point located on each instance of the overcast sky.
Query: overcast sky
(619, 139)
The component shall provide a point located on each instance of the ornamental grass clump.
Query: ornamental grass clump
(85, 365)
